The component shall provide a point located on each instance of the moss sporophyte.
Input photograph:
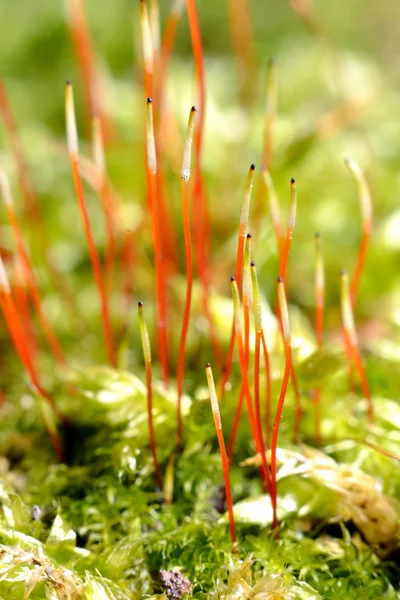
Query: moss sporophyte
(272, 475)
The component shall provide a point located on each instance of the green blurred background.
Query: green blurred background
(353, 62)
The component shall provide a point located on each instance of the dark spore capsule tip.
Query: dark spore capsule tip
(280, 279)
(248, 236)
(149, 100)
(252, 167)
(317, 234)
(193, 109)
(252, 264)
(208, 365)
(343, 272)
(232, 278)
(68, 82)
(293, 180)
(140, 304)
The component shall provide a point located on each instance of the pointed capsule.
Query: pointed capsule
(245, 209)
(144, 334)
(247, 289)
(187, 150)
(213, 397)
(151, 144)
(293, 208)
(256, 298)
(347, 310)
(363, 191)
(237, 309)
(72, 132)
(4, 283)
(283, 309)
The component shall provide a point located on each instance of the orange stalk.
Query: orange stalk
(166, 243)
(289, 230)
(106, 198)
(366, 216)
(72, 139)
(21, 345)
(319, 325)
(147, 359)
(49, 333)
(224, 460)
(269, 115)
(22, 302)
(352, 342)
(147, 49)
(244, 218)
(185, 172)
(274, 211)
(86, 61)
(283, 309)
(32, 206)
(267, 390)
(235, 424)
(158, 255)
(201, 218)
(257, 348)
(166, 48)
(243, 44)
(282, 274)
(245, 381)
(246, 312)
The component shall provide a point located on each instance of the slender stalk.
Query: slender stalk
(289, 230)
(224, 460)
(282, 275)
(147, 360)
(158, 258)
(243, 44)
(185, 173)
(154, 18)
(161, 219)
(319, 325)
(235, 425)
(278, 415)
(244, 218)
(21, 345)
(147, 49)
(33, 210)
(106, 198)
(166, 47)
(366, 216)
(257, 347)
(201, 217)
(274, 211)
(48, 330)
(22, 302)
(245, 381)
(270, 114)
(72, 139)
(352, 341)
(267, 389)
(247, 298)
(86, 61)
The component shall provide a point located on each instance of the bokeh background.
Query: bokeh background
(338, 96)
